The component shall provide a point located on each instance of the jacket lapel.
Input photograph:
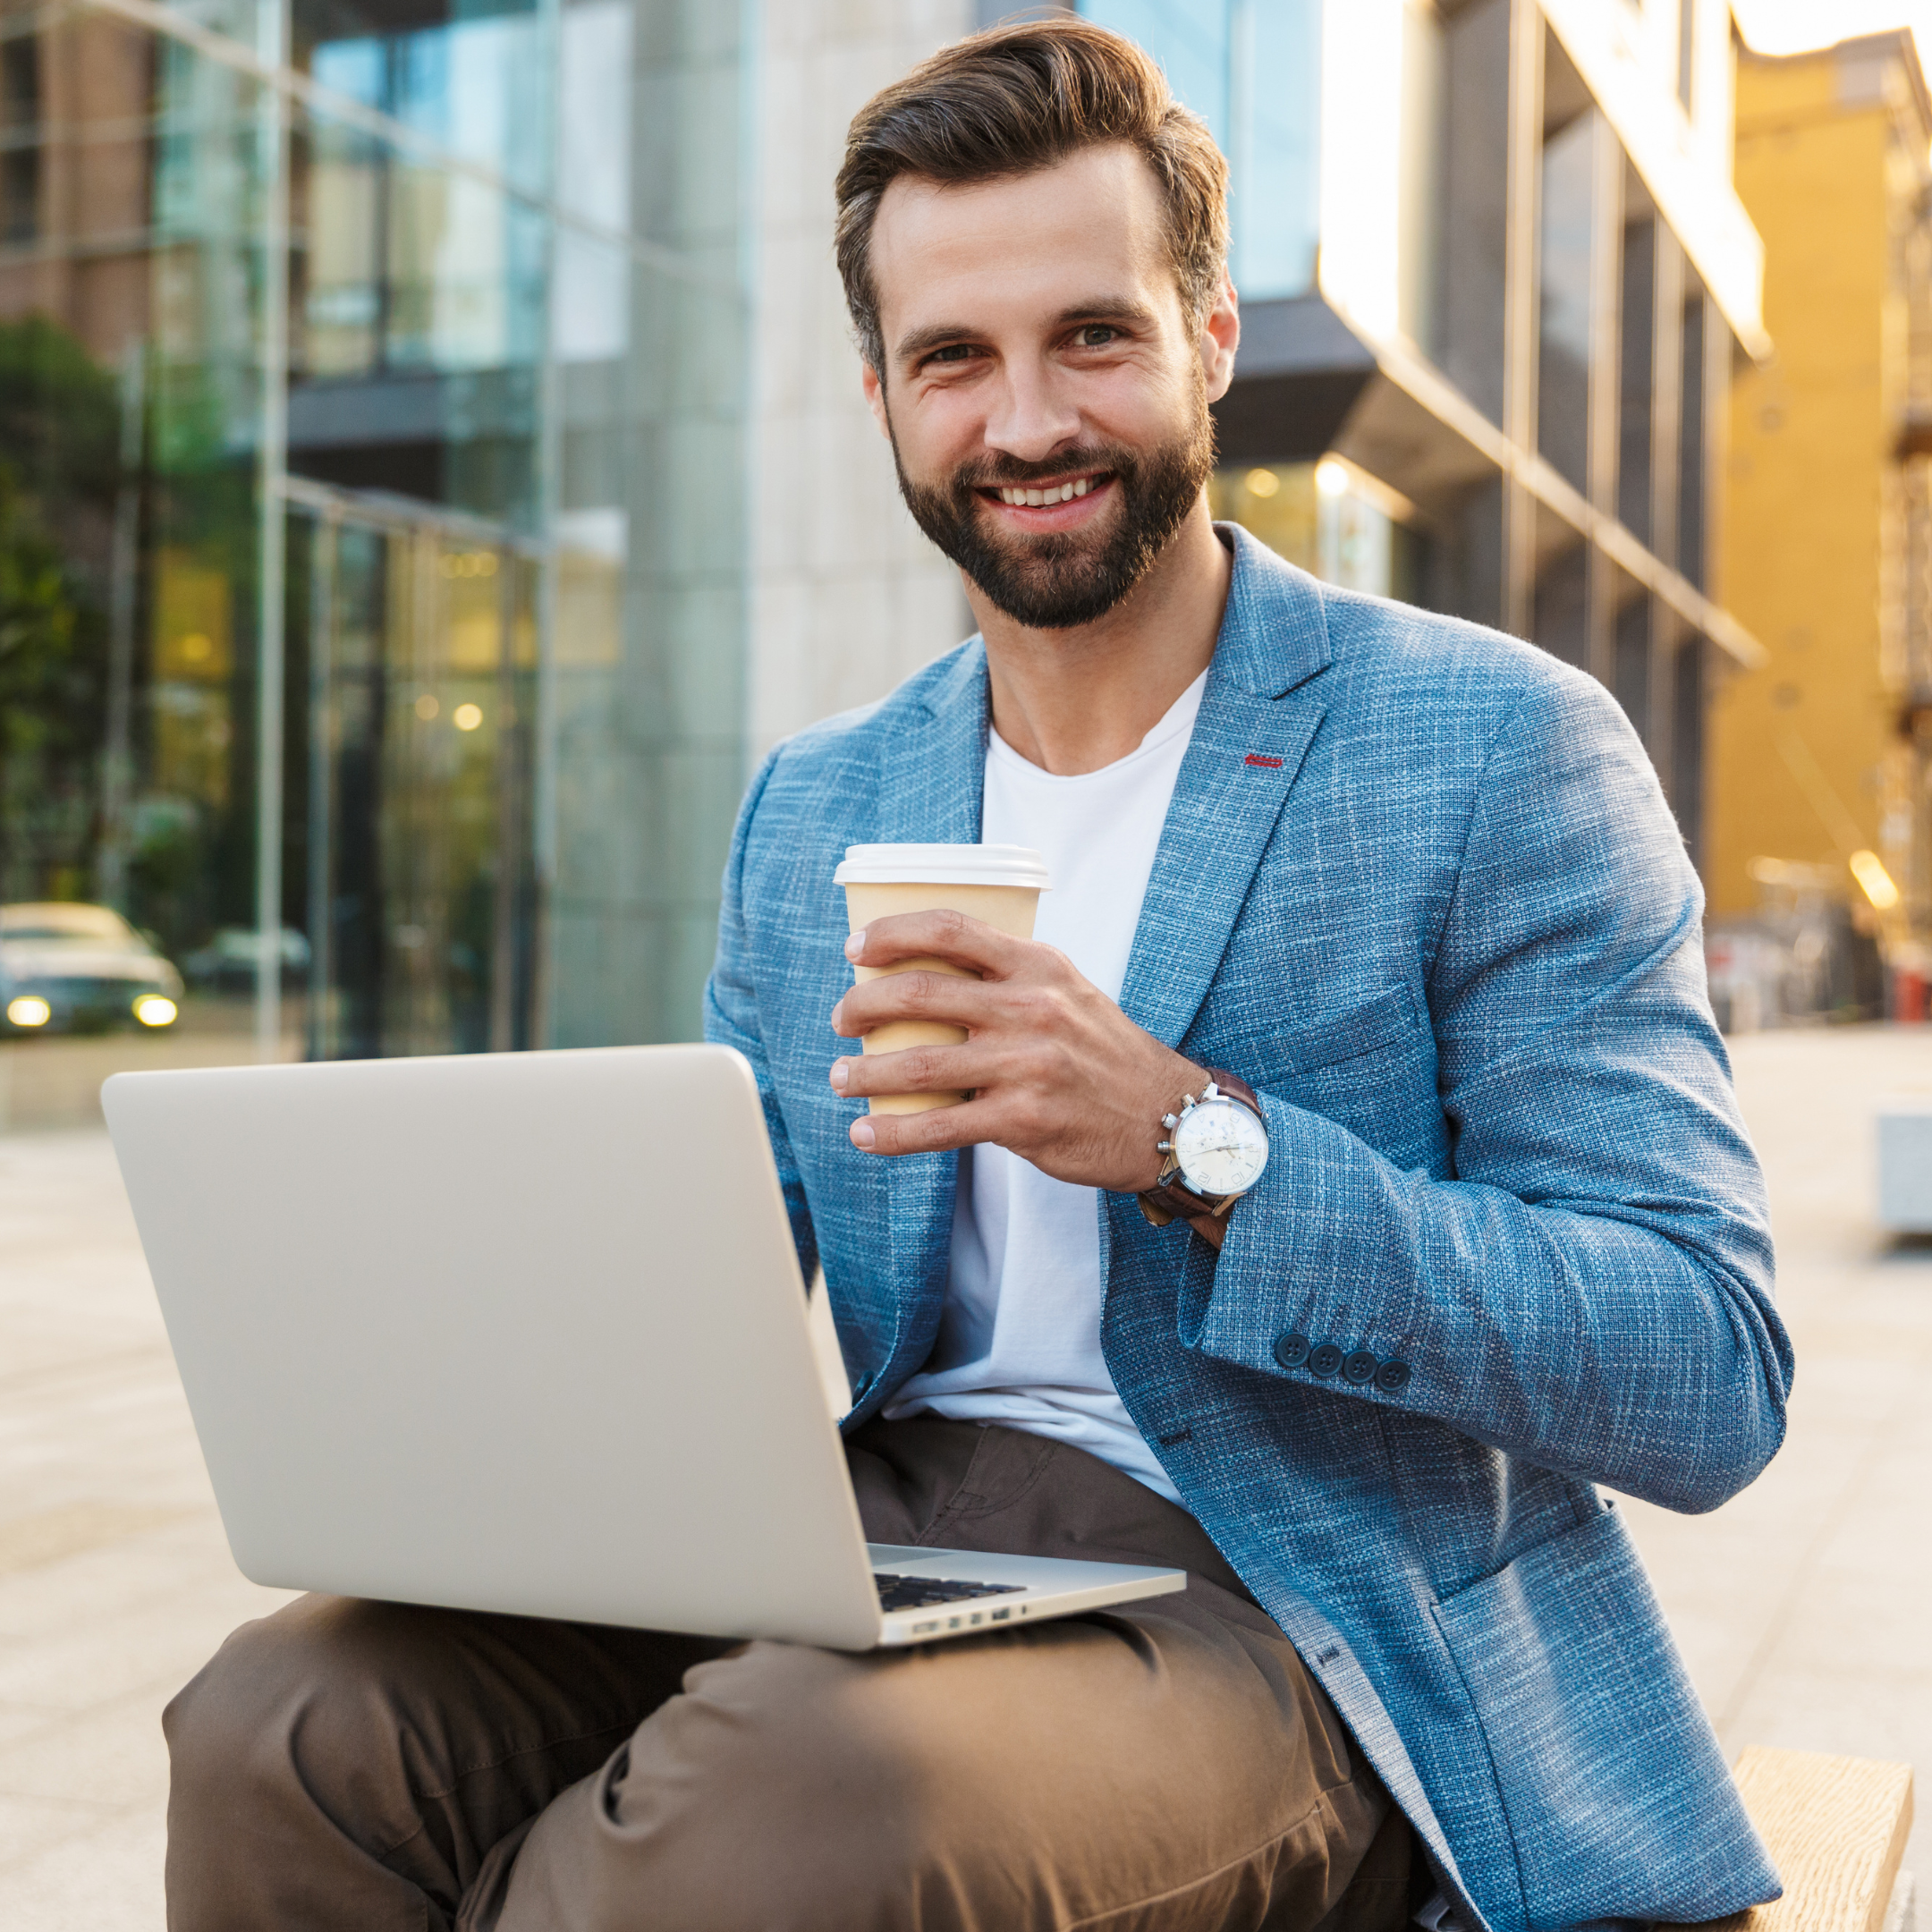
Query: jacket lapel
(934, 780)
(931, 791)
(1258, 716)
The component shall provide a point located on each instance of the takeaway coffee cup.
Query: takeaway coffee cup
(999, 883)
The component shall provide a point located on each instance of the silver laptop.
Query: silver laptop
(525, 1333)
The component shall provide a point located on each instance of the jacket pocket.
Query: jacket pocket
(1330, 1038)
(1617, 1798)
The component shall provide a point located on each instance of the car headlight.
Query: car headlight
(152, 1009)
(29, 1010)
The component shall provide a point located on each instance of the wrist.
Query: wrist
(1163, 1095)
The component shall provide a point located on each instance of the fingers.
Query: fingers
(914, 995)
(948, 936)
(914, 1070)
(935, 1131)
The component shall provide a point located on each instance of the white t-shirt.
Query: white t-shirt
(1020, 1338)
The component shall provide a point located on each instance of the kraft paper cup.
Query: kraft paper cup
(998, 884)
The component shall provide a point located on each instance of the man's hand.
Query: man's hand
(1058, 1074)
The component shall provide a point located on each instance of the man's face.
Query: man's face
(1045, 391)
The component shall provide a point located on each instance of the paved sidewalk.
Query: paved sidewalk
(1804, 1608)
(115, 1579)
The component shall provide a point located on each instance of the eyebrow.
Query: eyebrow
(939, 334)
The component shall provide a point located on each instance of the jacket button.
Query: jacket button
(1360, 1367)
(1392, 1376)
(1324, 1361)
(1291, 1350)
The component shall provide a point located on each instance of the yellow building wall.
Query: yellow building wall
(1797, 748)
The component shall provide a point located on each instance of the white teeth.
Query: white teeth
(1059, 493)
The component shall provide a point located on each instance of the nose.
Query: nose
(1030, 418)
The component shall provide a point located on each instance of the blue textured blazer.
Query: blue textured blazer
(1419, 887)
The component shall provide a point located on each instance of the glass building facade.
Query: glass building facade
(378, 447)
(431, 462)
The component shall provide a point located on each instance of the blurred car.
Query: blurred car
(80, 968)
(226, 964)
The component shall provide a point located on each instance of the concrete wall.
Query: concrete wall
(847, 596)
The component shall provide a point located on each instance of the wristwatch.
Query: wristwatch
(1217, 1149)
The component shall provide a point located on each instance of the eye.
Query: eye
(1094, 335)
(951, 353)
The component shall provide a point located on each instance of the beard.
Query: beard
(1059, 580)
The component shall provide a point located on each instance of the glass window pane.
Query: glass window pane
(1692, 439)
(417, 313)
(474, 86)
(1638, 374)
(1631, 622)
(1564, 333)
(1251, 70)
(1466, 338)
(1190, 39)
(1323, 517)
(1560, 616)
(1276, 132)
(1277, 501)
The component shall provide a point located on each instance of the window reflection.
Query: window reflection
(420, 642)
(1560, 614)
(473, 86)
(1331, 519)
(1690, 438)
(1423, 189)
(1637, 335)
(1632, 652)
(1253, 74)
(417, 311)
(1566, 336)
(1466, 337)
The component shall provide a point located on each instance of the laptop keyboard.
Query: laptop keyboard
(921, 1593)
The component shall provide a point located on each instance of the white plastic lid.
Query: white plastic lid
(942, 865)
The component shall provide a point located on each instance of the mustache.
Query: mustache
(1007, 473)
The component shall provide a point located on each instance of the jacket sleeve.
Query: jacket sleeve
(1590, 1289)
(732, 1018)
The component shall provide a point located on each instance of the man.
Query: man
(1412, 885)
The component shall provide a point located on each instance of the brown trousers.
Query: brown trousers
(374, 1767)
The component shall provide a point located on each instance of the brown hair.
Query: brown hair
(1021, 98)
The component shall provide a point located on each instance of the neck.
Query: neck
(1071, 701)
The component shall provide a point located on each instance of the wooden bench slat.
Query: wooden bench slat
(1835, 1828)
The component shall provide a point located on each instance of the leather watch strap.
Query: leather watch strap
(1161, 1205)
(1235, 1088)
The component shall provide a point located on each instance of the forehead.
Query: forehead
(1022, 247)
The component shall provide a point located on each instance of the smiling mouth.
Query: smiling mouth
(1036, 496)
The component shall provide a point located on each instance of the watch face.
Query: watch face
(1221, 1147)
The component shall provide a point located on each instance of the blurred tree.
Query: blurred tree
(59, 468)
(60, 419)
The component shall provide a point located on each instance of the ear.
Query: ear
(1220, 338)
(875, 395)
